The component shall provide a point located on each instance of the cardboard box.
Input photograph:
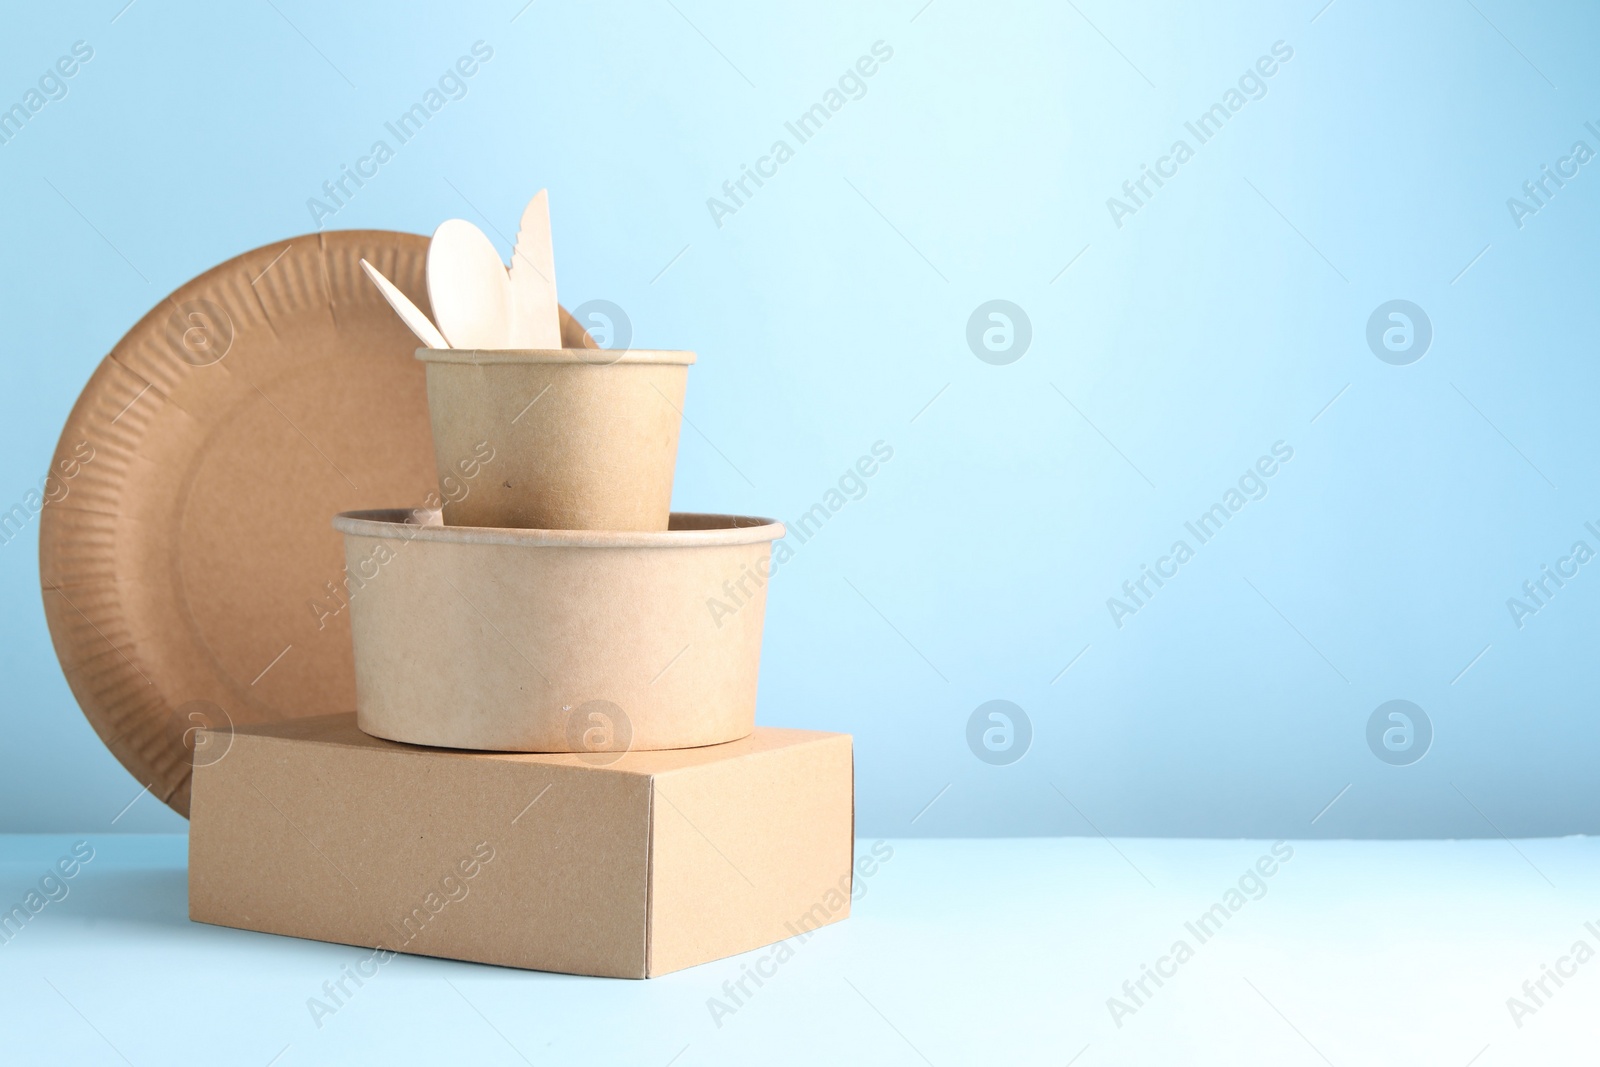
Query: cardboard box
(630, 869)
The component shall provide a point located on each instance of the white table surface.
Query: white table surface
(959, 952)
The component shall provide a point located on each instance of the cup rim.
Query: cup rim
(695, 530)
(594, 357)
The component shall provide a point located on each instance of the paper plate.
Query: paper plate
(190, 573)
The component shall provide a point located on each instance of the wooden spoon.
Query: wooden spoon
(469, 287)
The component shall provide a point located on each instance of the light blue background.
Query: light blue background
(1221, 318)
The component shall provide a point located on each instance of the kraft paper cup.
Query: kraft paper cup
(518, 640)
(570, 439)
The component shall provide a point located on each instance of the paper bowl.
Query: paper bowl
(556, 641)
(571, 439)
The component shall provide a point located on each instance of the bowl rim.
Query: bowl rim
(404, 524)
(594, 357)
